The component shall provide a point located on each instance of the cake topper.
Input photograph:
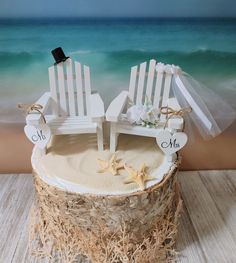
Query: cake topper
(65, 106)
(139, 177)
(39, 134)
(112, 165)
(59, 55)
(167, 87)
(210, 113)
(171, 143)
(146, 115)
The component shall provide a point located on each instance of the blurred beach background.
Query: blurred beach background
(203, 47)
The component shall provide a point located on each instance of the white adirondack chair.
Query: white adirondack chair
(155, 84)
(73, 108)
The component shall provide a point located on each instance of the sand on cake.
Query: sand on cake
(219, 153)
(78, 164)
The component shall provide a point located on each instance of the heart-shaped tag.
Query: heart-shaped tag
(38, 135)
(171, 143)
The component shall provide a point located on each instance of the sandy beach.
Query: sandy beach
(15, 151)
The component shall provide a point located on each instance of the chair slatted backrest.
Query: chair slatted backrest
(70, 89)
(147, 81)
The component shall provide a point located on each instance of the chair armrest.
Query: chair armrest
(116, 107)
(97, 108)
(36, 118)
(176, 122)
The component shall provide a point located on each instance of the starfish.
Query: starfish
(111, 166)
(139, 177)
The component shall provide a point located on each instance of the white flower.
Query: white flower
(160, 67)
(145, 115)
(153, 115)
(176, 69)
(169, 69)
(133, 114)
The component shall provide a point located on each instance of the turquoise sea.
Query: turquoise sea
(205, 48)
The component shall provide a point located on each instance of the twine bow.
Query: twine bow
(31, 108)
(171, 113)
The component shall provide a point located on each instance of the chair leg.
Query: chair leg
(100, 136)
(113, 137)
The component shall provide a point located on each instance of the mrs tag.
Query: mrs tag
(38, 135)
(169, 143)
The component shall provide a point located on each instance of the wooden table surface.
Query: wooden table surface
(207, 230)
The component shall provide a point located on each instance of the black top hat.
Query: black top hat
(59, 55)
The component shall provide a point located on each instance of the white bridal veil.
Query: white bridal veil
(210, 113)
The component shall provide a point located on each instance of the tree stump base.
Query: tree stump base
(136, 228)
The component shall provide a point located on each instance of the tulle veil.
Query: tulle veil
(210, 113)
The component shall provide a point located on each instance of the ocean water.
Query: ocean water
(205, 48)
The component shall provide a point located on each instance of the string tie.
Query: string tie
(32, 108)
(171, 113)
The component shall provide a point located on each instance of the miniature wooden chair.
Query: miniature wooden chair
(73, 108)
(154, 83)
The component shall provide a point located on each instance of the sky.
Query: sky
(118, 8)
